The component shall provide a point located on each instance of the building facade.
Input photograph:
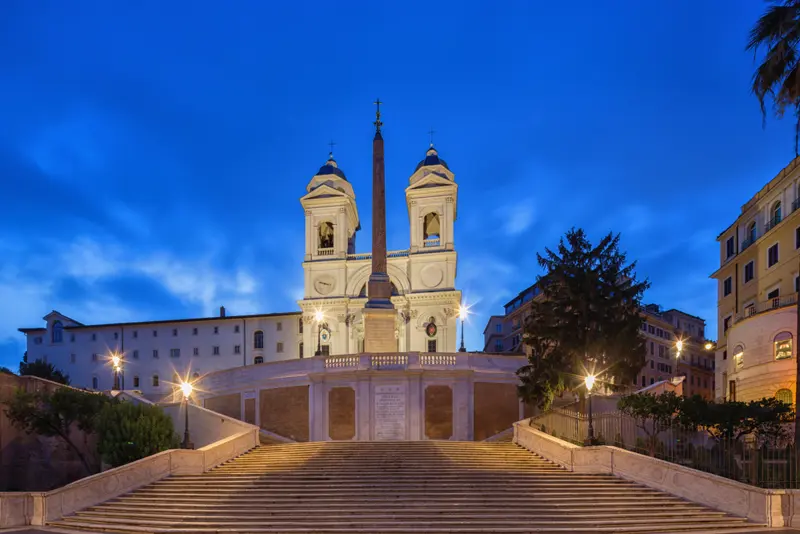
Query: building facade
(661, 330)
(329, 322)
(757, 284)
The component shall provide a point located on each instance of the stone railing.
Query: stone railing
(433, 359)
(433, 242)
(325, 251)
(389, 361)
(341, 362)
(368, 255)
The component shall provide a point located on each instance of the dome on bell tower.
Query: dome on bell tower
(332, 176)
(331, 167)
(431, 158)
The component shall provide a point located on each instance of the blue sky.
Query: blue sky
(152, 154)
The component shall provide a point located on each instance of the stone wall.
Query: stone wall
(438, 412)
(284, 411)
(342, 413)
(230, 405)
(496, 408)
(37, 463)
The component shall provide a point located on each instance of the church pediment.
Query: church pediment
(325, 191)
(431, 180)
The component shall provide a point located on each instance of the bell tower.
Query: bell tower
(331, 214)
(431, 198)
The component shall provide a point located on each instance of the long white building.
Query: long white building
(423, 276)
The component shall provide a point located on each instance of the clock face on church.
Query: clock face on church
(324, 284)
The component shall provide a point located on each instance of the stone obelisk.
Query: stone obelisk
(378, 313)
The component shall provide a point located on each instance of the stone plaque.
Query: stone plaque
(390, 412)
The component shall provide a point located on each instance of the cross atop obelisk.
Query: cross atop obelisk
(379, 315)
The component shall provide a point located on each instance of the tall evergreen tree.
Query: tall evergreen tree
(587, 319)
(44, 370)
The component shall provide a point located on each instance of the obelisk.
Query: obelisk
(378, 313)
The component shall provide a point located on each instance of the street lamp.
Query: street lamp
(319, 316)
(709, 345)
(589, 383)
(463, 311)
(186, 389)
(116, 363)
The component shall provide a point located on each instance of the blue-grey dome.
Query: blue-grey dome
(331, 167)
(431, 158)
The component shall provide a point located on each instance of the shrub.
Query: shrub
(129, 432)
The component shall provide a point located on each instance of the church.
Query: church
(423, 300)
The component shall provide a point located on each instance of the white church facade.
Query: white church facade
(330, 320)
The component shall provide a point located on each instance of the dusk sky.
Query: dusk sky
(152, 154)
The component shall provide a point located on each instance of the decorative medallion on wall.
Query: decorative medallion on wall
(431, 329)
(431, 276)
(324, 284)
(325, 335)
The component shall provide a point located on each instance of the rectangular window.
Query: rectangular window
(726, 324)
(652, 380)
(326, 350)
(155, 333)
(652, 348)
(727, 287)
(236, 329)
(196, 351)
(729, 247)
(797, 237)
(72, 338)
(136, 355)
(94, 357)
(155, 354)
(135, 334)
(797, 284)
(155, 381)
(300, 324)
(772, 255)
(652, 365)
(116, 335)
(279, 347)
(775, 293)
(748, 271)
(215, 351)
(279, 326)
(732, 390)
(136, 381)
(71, 358)
(651, 329)
(498, 345)
(94, 337)
(643, 381)
(724, 354)
(194, 331)
(174, 332)
(174, 353)
(300, 349)
(498, 328)
(237, 349)
(659, 332)
(431, 345)
(216, 330)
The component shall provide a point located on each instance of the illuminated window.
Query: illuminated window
(783, 346)
(738, 355)
(784, 395)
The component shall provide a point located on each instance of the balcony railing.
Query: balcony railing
(368, 255)
(766, 305)
(772, 223)
(432, 242)
(325, 251)
(747, 242)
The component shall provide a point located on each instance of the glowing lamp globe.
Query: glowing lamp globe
(186, 388)
(589, 381)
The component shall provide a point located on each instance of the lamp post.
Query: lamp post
(319, 316)
(186, 389)
(463, 311)
(116, 363)
(589, 382)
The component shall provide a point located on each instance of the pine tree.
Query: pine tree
(586, 320)
(129, 432)
(44, 370)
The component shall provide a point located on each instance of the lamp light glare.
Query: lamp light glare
(709, 345)
(589, 381)
(319, 316)
(115, 360)
(679, 345)
(186, 389)
(463, 311)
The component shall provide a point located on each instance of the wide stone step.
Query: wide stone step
(355, 494)
(390, 486)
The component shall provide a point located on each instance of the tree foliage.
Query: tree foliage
(44, 370)
(129, 432)
(56, 414)
(586, 320)
(777, 77)
(652, 413)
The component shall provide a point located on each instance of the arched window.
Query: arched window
(258, 339)
(783, 346)
(136, 381)
(58, 332)
(775, 214)
(94, 382)
(155, 381)
(430, 226)
(326, 235)
(259, 359)
(784, 395)
(738, 355)
(195, 376)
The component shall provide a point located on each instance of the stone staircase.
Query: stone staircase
(387, 487)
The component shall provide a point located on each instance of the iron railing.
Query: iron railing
(766, 305)
(758, 461)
